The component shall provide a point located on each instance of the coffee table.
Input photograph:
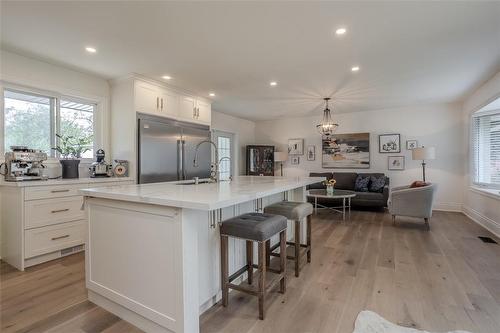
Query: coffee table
(337, 194)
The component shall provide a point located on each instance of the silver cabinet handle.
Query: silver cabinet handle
(60, 237)
(197, 113)
(162, 104)
(157, 103)
(194, 112)
(60, 210)
(59, 191)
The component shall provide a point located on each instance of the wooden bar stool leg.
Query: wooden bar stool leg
(268, 252)
(250, 261)
(262, 278)
(283, 261)
(297, 247)
(309, 218)
(224, 268)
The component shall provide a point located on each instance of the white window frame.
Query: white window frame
(472, 167)
(99, 119)
(232, 136)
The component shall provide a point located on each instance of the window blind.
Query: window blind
(486, 148)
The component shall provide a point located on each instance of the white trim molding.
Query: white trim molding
(448, 206)
(484, 221)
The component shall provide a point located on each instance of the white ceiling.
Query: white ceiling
(409, 52)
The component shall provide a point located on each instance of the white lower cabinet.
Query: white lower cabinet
(51, 238)
(43, 222)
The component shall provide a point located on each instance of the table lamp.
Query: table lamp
(280, 156)
(423, 153)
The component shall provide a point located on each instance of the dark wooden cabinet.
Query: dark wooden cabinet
(260, 160)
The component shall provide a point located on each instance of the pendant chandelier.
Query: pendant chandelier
(327, 126)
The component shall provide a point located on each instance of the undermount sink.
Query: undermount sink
(193, 183)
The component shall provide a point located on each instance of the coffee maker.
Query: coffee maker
(22, 164)
(100, 168)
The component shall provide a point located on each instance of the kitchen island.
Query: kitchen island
(153, 250)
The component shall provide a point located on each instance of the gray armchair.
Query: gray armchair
(414, 202)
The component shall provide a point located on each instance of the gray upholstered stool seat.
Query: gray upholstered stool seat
(255, 226)
(291, 210)
(296, 211)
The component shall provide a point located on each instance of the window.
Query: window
(486, 148)
(224, 145)
(33, 120)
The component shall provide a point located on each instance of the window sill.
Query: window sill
(491, 193)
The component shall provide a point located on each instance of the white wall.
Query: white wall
(244, 131)
(481, 207)
(432, 125)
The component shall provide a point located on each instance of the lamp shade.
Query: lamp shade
(423, 153)
(280, 156)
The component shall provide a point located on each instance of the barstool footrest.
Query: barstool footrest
(253, 289)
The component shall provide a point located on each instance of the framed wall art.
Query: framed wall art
(295, 160)
(346, 151)
(396, 162)
(311, 153)
(411, 144)
(295, 146)
(389, 143)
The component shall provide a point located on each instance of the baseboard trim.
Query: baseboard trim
(448, 206)
(484, 221)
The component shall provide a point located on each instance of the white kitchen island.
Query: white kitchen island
(153, 250)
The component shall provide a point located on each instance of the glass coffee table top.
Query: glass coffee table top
(336, 194)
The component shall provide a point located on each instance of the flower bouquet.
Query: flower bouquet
(330, 185)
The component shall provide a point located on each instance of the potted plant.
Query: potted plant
(71, 150)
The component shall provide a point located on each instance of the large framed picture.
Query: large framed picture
(295, 146)
(389, 143)
(396, 162)
(346, 151)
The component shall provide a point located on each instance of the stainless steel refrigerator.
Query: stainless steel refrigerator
(166, 150)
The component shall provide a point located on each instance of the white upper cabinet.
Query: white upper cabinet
(160, 101)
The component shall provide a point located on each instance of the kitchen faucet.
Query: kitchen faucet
(214, 172)
(229, 159)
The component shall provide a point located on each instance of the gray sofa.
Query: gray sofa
(346, 181)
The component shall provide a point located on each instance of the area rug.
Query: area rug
(370, 322)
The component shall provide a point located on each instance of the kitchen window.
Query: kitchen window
(33, 120)
(486, 149)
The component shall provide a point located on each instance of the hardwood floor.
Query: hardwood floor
(439, 280)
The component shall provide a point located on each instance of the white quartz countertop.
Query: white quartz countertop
(60, 181)
(207, 196)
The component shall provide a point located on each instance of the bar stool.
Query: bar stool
(295, 211)
(253, 227)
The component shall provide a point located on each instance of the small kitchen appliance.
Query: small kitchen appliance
(100, 168)
(121, 168)
(22, 164)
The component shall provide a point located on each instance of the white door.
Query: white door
(225, 149)
(204, 112)
(169, 103)
(187, 108)
(147, 98)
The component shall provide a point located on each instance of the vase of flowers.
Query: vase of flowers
(330, 186)
(71, 149)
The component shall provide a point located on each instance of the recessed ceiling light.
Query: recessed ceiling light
(166, 77)
(90, 49)
(340, 31)
(273, 83)
(355, 68)
(211, 94)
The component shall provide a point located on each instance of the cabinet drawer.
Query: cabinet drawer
(48, 239)
(47, 192)
(39, 213)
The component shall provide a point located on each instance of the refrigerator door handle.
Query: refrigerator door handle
(184, 175)
(179, 160)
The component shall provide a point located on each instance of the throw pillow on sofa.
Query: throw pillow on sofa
(376, 184)
(361, 184)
